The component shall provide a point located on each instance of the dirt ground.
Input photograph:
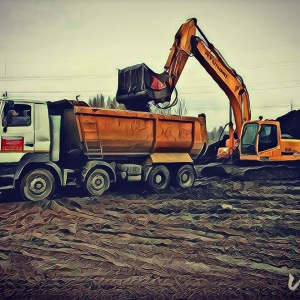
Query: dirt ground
(218, 240)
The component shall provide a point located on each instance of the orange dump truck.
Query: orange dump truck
(70, 143)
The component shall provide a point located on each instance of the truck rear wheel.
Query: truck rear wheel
(185, 177)
(37, 185)
(159, 177)
(97, 182)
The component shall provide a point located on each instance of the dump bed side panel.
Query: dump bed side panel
(128, 133)
(116, 134)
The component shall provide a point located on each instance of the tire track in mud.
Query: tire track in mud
(218, 240)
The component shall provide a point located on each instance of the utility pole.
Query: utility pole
(291, 104)
(5, 68)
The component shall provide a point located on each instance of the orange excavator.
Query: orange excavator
(254, 141)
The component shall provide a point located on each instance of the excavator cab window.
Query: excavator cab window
(267, 137)
(248, 140)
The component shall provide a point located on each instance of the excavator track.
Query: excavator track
(280, 173)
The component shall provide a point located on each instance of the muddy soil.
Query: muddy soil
(217, 240)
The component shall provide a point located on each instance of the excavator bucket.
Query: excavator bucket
(138, 85)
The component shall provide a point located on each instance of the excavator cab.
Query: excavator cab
(260, 138)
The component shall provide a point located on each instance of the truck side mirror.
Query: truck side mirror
(11, 104)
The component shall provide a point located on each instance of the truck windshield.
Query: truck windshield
(248, 139)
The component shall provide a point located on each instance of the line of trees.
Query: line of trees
(111, 103)
(100, 101)
(214, 135)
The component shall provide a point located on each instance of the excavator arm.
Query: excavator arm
(180, 52)
(139, 84)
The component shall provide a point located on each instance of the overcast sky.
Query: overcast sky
(58, 49)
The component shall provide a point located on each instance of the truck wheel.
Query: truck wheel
(185, 177)
(97, 182)
(37, 185)
(159, 177)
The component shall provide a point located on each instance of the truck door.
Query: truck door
(248, 140)
(267, 137)
(17, 131)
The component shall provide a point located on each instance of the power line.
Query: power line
(65, 77)
(61, 77)
(261, 89)
(61, 92)
(219, 108)
(248, 83)
(154, 56)
(252, 107)
(272, 64)
(114, 91)
(275, 64)
(263, 48)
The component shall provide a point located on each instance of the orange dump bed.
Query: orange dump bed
(108, 132)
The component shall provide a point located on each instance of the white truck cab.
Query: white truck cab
(36, 153)
(25, 148)
(24, 129)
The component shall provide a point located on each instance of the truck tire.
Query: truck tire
(159, 177)
(185, 176)
(37, 185)
(97, 182)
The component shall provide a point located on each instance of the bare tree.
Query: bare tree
(180, 108)
(162, 111)
(99, 101)
(110, 104)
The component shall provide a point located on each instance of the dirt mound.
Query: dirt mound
(218, 240)
(290, 123)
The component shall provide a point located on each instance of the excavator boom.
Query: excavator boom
(180, 51)
(227, 79)
(187, 44)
